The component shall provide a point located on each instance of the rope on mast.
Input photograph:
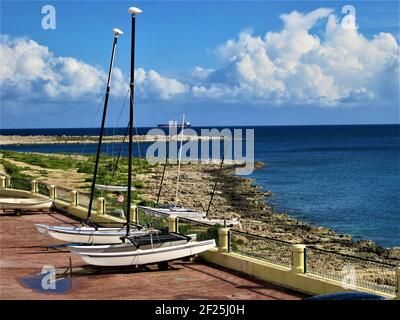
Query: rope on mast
(114, 143)
(93, 121)
(179, 162)
(119, 153)
(163, 173)
(216, 180)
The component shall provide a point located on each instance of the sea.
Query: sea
(343, 177)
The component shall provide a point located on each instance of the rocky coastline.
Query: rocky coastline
(6, 140)
(243, 198)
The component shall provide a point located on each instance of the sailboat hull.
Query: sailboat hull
(127, 246)
(42, 228)
(191, 215)
(178, 212)
(146, 256)
(25, 204)
(87, 234)
(212, 222)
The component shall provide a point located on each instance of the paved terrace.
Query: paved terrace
(23, 255)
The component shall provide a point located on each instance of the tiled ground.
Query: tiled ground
(22, 255)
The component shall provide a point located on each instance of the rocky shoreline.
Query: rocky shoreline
(241, 197)
(66, 139)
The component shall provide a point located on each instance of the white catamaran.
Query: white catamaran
(143, 250)
(149, 248)
(180, 212)
(93, 234)
(89, 235)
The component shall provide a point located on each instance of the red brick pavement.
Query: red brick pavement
(22, 255)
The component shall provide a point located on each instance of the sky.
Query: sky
(221, 63)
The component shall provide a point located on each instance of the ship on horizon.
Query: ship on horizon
(175, 124)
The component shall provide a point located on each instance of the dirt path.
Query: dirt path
(68, 178)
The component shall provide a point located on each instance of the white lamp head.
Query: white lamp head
(134, 10)
(117, 32)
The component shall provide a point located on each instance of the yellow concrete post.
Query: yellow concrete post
(100, 205)
(171, 223)
(8, 182)
(52, 192)
(223, 237)
(73, 198)
(3, 182)
(34, 186)
(134, 213)
(398, 283)
(298, 258)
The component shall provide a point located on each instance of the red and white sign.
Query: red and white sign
(121, 198)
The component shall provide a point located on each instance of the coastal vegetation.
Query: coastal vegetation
(55, 167)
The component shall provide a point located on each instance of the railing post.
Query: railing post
(52, 192)
(8, 182)
(34, 186)
(134, 213)
(398, 283)
(223, 237)
(73, 198)
(3, 182)
(298, 260)
(171, 223)
(100, 205)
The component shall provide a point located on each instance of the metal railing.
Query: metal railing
(260, 247)
(202, 231)
(21, 184)
(43, 188)
(152, 220)
(63, 194)
(115, 208)
(83, 199)
(351, 270)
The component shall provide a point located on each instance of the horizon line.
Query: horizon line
(222, 126)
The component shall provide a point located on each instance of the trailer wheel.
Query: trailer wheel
(18, 212)
(163, 265)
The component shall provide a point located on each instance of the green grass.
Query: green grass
(14, 171)
(235, 243)
(104, 174)
(202, 232)
(152, 221)
(44, 161)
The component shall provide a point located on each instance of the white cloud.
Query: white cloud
(29, 71)
(297, 65)
(152, 86)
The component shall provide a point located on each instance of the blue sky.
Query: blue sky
(220, 63)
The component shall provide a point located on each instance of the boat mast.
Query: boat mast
(179, 162)
(133, 11)
(117, 33)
